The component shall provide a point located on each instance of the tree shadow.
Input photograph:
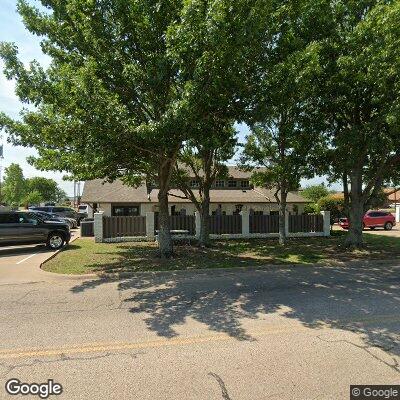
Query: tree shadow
(363, 299)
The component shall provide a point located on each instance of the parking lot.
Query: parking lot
(21, 263)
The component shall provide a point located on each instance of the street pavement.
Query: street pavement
(278, 333)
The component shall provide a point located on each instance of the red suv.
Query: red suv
(373, 219)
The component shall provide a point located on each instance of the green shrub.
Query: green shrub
(334, 204)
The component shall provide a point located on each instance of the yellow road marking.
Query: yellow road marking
(102, 347)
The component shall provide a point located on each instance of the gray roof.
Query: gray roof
(98, 191)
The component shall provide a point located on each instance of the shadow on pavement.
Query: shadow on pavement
(363, 299)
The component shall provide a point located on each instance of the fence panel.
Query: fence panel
(225, 224)
(306, 223)
(264, 223)
(178, 222)
(124, 226)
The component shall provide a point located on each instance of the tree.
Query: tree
(33, 198)
(203, 160)
(111, 104)
(315, 192)
(61, 195)
(356, 83)
(277, 110)
(47, 188)
(119, 98)
(14, 186)
(334, 204)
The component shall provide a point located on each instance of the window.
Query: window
(258, 212)
(274, 213)
(125, 211)
(194, 183)
(238, 209)
(219, 184)
(245, 184)
(9, 219)
(27, 219)
(377, 214)
(232, 184)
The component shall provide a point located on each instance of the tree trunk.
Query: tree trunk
(282, 218)
(204, 239)
(164, 234)
(356, 212)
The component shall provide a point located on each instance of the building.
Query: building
(228, 196)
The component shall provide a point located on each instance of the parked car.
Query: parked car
(66, 212)
(53, 217)
(19, 227)
(83, 210)
(373, 219)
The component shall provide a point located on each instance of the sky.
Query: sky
(13, 30)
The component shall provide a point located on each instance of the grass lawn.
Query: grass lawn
(85, 256)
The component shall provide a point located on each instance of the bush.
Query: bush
(311, 208)
(334, 204)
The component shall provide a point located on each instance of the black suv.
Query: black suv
(28, 228)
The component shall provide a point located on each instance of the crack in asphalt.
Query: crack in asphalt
(221, 383)
(63, 357)
(395, 366)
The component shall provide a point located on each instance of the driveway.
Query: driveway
(282, 333)
(21, 264)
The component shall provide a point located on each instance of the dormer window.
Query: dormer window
(232, 183)
(219, 183)
(194, 183)
(245, 184)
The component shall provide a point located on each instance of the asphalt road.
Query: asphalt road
(283, 333)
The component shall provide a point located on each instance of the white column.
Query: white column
(397, 212)
(150, 225)
(197, 223)
(98, 227)
(245, 223)
(327, 222)
(286, 223)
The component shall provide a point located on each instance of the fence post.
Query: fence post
(397, 212)
(197, 224)
(245, 223)
(286, 223)
(150, 226)
(98, 227)
(327, 222)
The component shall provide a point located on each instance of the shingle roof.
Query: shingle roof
(96, 191)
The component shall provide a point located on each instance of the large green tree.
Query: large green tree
(47, 188)
(357, 93)
(119, 97)
(14, 185)
(110, 104)
(277, 109)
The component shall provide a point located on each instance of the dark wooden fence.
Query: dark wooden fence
(124, 226)
(228, 224)
(179, 222)
(264, 223)
(306, 223)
